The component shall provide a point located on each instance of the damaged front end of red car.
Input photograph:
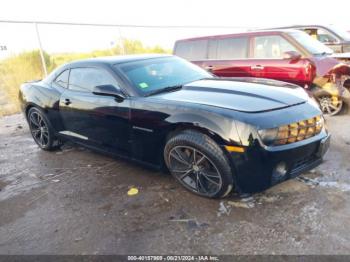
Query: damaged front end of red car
(331, 88)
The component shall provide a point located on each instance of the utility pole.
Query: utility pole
(43, 63)
(121, 41)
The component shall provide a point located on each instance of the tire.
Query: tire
(199, 164)
(329, 105)
(41, 130)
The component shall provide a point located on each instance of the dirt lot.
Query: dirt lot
(75, 201)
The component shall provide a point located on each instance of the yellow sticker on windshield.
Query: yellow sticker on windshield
(143, 85)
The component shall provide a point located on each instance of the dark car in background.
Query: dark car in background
(214, 135)
(334, 37)
(285, 55)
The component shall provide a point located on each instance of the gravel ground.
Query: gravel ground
(74, 201)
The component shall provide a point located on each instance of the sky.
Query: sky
(240, 15)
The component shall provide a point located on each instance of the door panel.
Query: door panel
(281, 69)
(228, 68)
(228, 57)
(268, 62)
(96, 120)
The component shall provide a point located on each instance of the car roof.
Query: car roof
(248, 33)
(112, 60)
(301, 26)
(102, 61)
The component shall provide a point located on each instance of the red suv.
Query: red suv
(286, 55)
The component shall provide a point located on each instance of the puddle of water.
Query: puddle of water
(18, 183)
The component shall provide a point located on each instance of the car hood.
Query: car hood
(240, 96)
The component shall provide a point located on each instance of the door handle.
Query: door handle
(67, 102)
(257, 67)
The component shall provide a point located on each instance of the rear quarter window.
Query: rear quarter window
(230, 48)
(192, 50)
(62, 79)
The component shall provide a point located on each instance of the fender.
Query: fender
(211, 124)
(48, 101)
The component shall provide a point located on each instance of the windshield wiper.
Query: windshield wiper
(164, 90)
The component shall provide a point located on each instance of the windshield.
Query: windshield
(313, 46)
(150, 75)
(340, 32)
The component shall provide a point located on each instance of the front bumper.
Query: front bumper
(254, 170)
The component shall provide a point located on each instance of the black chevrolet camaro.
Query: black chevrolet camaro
(214, 135)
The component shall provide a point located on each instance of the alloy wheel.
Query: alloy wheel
(194, 170)
(39, 129)
(330, 105)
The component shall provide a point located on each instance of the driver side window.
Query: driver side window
(85, 79)
(321, 35)
(325, 37)
(273, 47)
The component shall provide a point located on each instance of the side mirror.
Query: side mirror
(109, 90)
(291, 55)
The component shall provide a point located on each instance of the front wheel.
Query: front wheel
(330, 105)
(199, 164)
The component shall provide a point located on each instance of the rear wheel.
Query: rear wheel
(199, 164)
(41, 130)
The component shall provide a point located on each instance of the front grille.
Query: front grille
(302, 164)
(299, 131)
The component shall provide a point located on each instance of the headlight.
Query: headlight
(268, 136)
(293, 132)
